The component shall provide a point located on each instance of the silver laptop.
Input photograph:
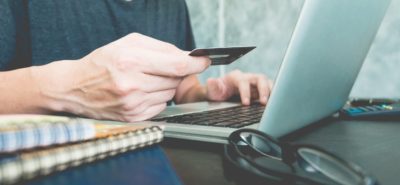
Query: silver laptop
(325, 54)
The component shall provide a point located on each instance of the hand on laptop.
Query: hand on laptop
(249, 86)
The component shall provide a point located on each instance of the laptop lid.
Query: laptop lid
(325, 54)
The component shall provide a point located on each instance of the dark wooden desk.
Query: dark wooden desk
(373, 144)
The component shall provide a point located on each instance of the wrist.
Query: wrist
(193, 94)
(53, 82)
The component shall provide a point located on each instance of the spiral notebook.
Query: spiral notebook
(85, 141)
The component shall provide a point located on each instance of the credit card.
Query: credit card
(222, 56)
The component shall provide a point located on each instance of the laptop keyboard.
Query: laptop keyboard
(234, 117)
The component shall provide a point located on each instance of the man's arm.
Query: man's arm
(130, 79)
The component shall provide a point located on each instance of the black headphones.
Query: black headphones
(253, 157)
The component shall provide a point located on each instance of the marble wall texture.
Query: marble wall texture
(268, 24)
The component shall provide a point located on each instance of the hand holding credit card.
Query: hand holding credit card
(222, 56)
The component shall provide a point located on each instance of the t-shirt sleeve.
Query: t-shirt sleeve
(7, 34)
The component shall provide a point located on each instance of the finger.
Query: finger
(158, 63)
(148, 113)
(147, 101)
(244, 91)
(157, 45)
(149, 83)
(263, 89)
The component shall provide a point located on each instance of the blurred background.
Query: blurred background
(268, 24)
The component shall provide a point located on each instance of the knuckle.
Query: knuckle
(123, 88)
(134, 36)
(120, 90)
(128, 107)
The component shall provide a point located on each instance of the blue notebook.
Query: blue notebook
(146, 166)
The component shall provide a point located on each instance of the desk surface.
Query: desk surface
(373, 144)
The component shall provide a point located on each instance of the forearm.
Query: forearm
(40, 89)
(19, 93)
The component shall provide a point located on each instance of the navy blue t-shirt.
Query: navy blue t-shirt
(37, 32)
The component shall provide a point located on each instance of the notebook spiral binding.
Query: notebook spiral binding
(31, 164)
